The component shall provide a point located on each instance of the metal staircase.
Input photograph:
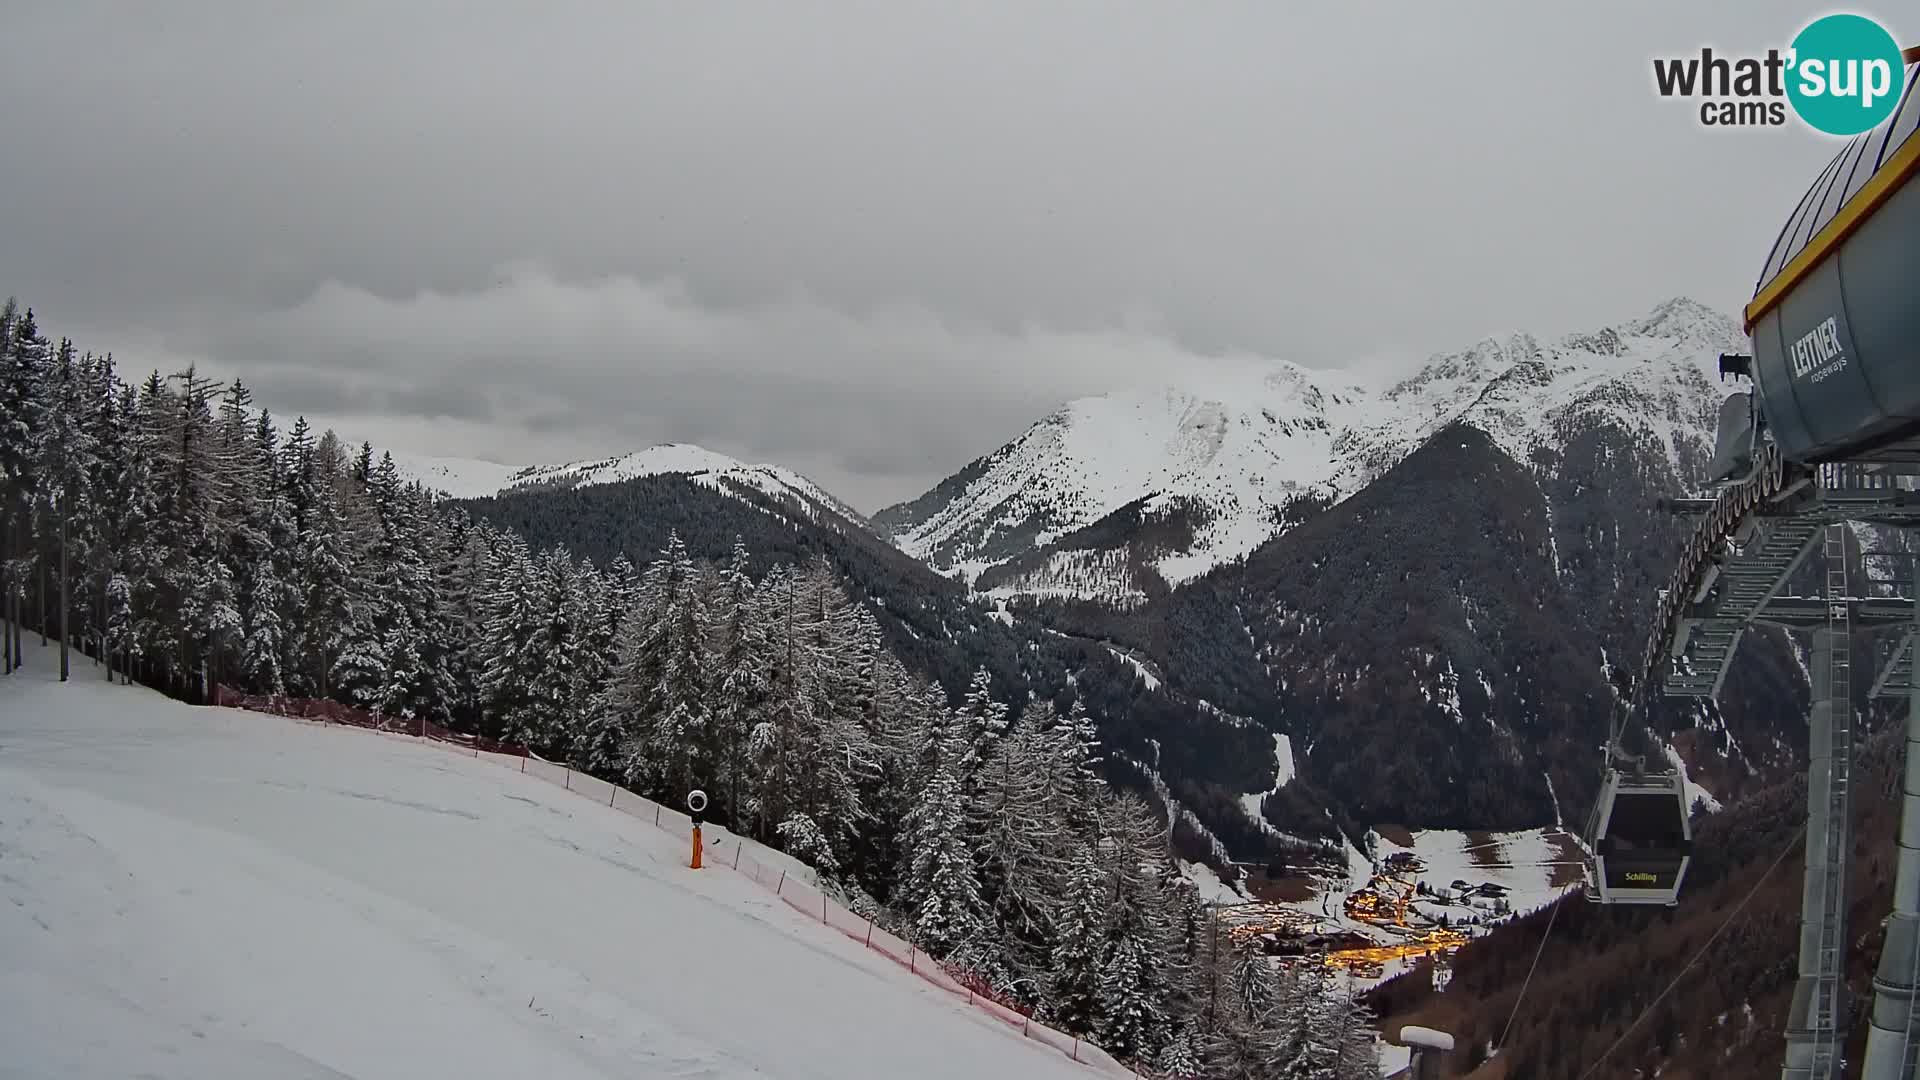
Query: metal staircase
(1896, 669)
(1767, 550)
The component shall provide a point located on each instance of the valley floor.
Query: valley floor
(211, 894)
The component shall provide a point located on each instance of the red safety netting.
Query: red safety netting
(725, 851)
(333, 712)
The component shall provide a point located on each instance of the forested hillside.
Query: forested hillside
(1206, 759)
(1689, 993)
(1428, 588)
(1440, 646)
(176, 536)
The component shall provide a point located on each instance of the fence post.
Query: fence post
(1076, 1049)
(656, 815)
(869, 933)
(910, 958)
(823, 905)
(782, 885)
(737, 845)
(568, 782)
(523, 764)
(613, 793)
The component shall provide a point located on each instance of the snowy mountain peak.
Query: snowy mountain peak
(1213, 465)
(1689, 321)
(468, 479)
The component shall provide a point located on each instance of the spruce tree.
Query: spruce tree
(1074, 1002)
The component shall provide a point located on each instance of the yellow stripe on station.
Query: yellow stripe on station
(1891, 177)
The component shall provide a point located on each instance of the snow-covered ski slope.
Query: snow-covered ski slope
(214, 894)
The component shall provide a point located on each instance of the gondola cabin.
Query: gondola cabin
(1642, 840)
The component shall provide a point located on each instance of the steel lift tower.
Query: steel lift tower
(1827, 435)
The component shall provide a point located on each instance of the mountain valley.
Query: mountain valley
(1420, 587)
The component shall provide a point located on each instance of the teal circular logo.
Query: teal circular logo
(1845, 74)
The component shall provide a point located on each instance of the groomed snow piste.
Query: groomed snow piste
(218, 895)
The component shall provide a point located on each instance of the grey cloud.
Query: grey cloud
(633, 363)
(804, 230)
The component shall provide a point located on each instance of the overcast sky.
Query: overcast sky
(870, 241)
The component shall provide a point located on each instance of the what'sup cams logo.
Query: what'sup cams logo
(1842, 75)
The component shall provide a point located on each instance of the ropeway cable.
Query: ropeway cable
(1551, 916)
(1728, 921)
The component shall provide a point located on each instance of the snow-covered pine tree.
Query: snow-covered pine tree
(1074, 781)
(324, 575)
(980, 723)
(1022, 853)
(1238, 1022)
(667, 679)
(416, 683)
(949, 920)
(297, 472)
(24, 359)
(1330, 1034)
(196, 583)
(94, 398)
(613, 716)
(546, 660)
(443, 691)
(1135, 979)
(149, 552)
(593, 625)
(828, 810)
(1074, 1002)
(893, 722)
(1356, 1055)
(1134, 1022)
(117, 507)
(1185, 953)
(778, 744)
(740, 686)
(66, 469)
(464, 555)
(514, 605)
(931, 748)
(621, 737)
(252, 535)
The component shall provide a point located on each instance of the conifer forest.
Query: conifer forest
(170, 531)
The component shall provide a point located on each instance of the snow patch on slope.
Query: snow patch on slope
(1282, 776)
(1697, 796)
(1524, 863)
(1208, 884)
(460, 478)
(1146, 675)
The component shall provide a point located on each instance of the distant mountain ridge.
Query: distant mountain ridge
(1208, 470)
(468, 478)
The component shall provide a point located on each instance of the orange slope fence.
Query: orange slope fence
(723, 850)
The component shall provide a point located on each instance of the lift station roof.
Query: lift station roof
(1835, 318)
